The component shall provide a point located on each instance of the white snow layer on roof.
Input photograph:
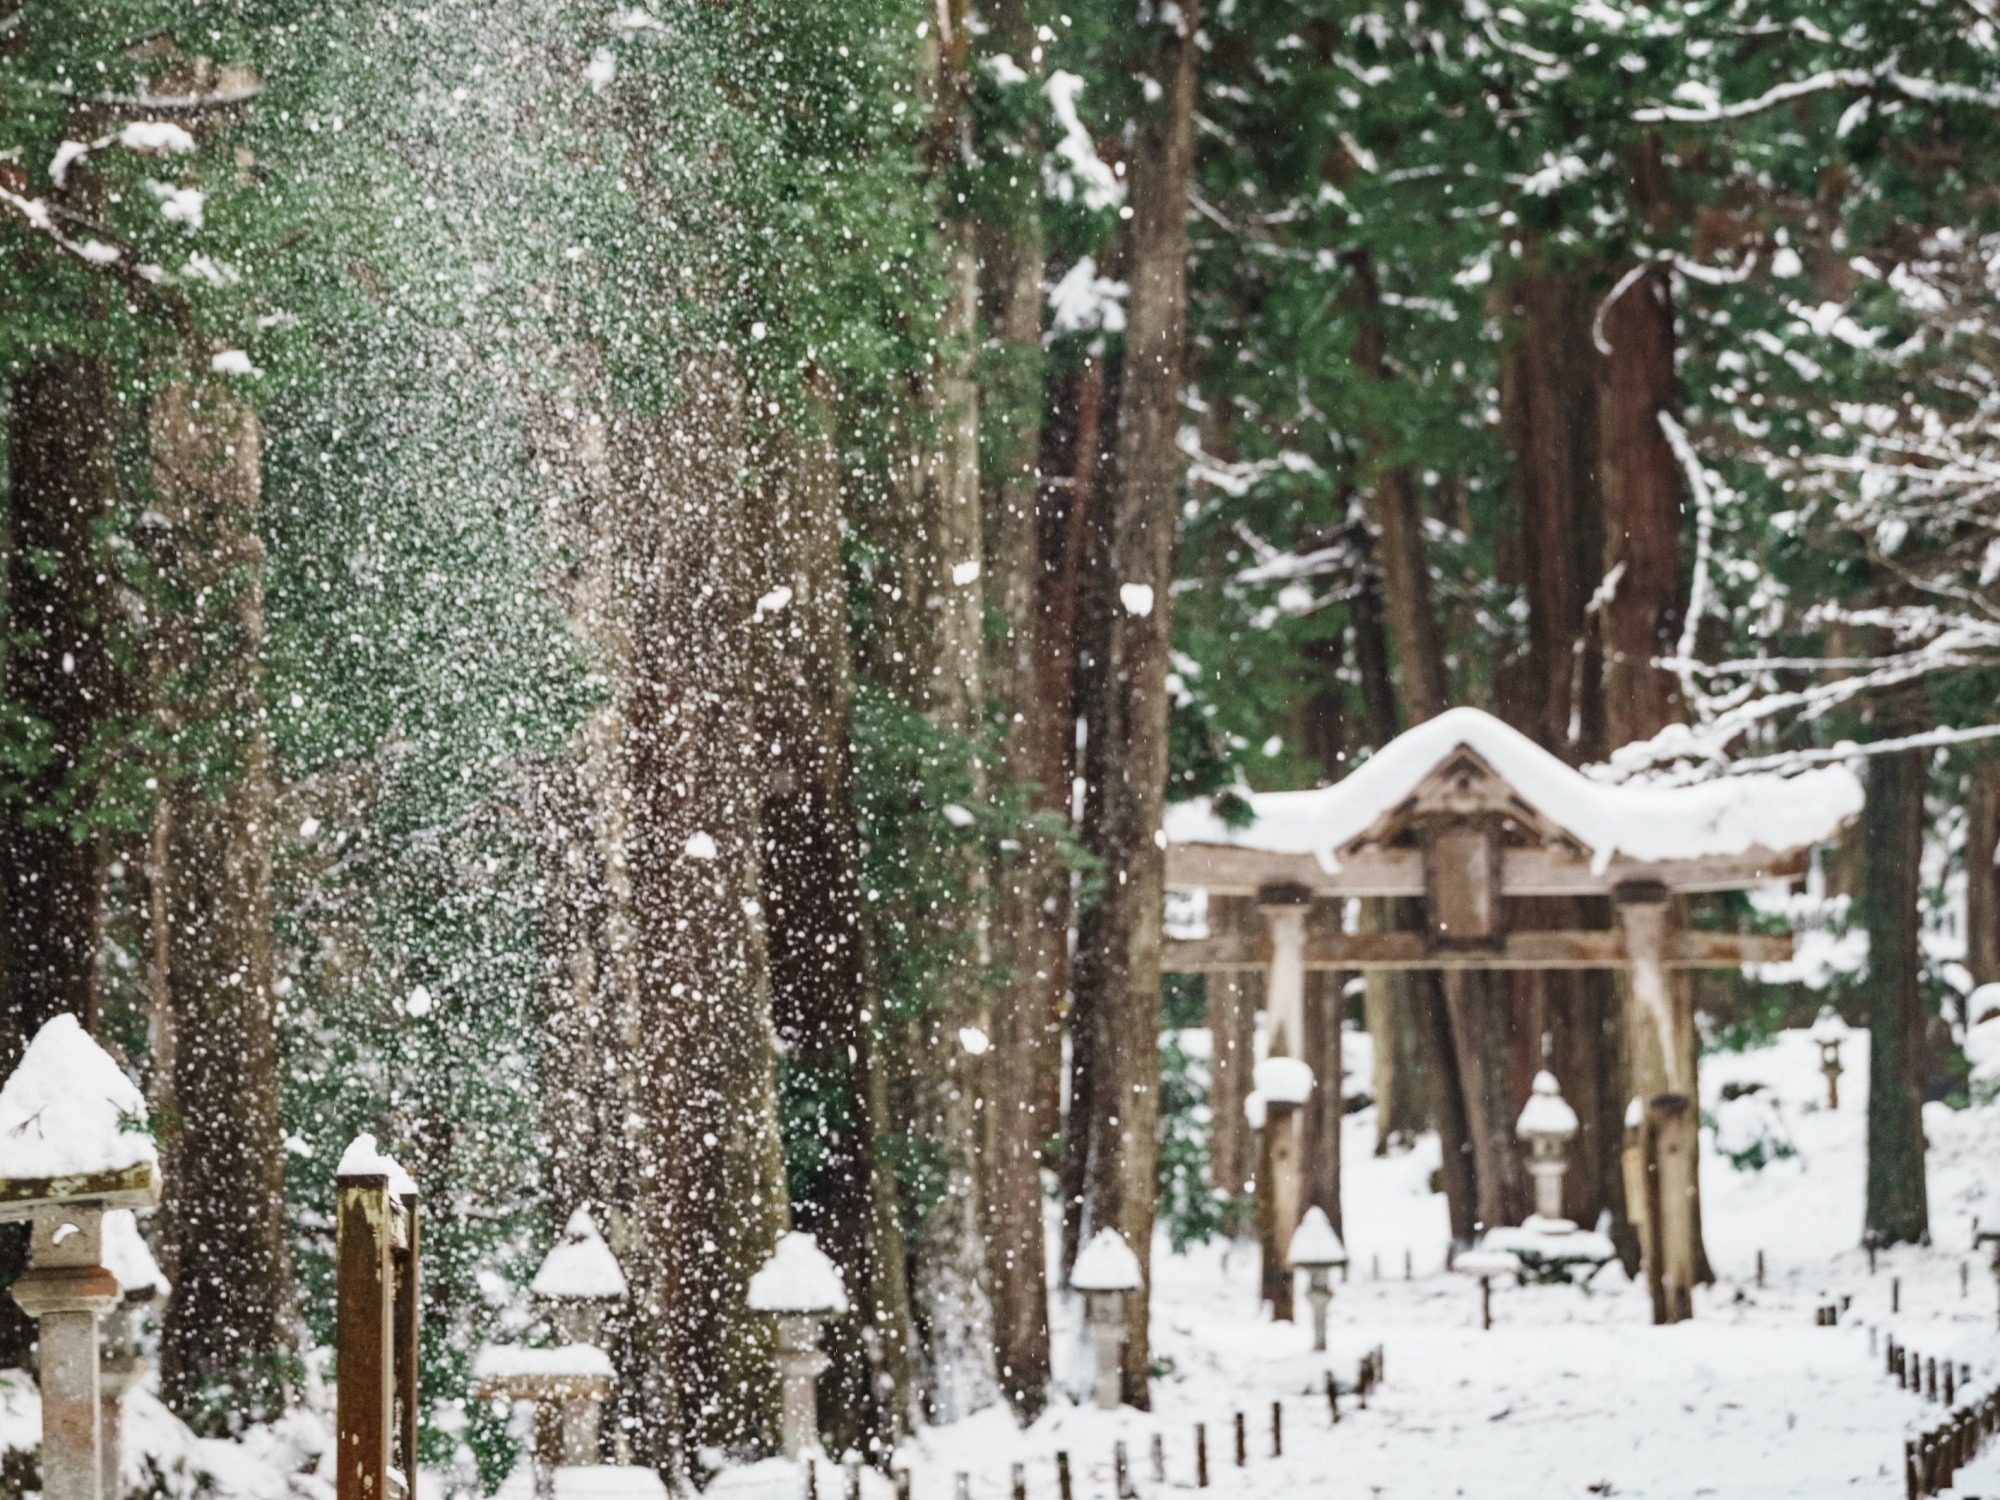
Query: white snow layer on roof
(1730, 815)
(798, 1278)
(126, 1257)
(69, 1110)
(1107, 1264)
(363, 1158)
(581, 1268)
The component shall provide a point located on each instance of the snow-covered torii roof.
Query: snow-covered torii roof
(1563, 833)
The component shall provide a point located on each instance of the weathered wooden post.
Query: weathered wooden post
(1285, 907)
(1643, 911)
(1485, 1265)
(1316, 1250)
(73, 1144)
(375, 1326)
(1284, 1084)
(1107, 1272)
(799, 1287)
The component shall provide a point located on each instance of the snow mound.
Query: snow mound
(581, 1268)
(798, 1278)
(1314, 1242)
(126, 1257)
(69, 1111)
(1107, 1264)
(1284, 1080)
(1982, 1055)
(1731, 815)
(1546, 1112)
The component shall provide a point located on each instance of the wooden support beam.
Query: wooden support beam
(1518, 950)
(1226, 869)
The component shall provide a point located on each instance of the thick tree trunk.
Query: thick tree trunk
(819, 998)
(1456, 1164)
(1479, 1029)
(1232, 1030)
(1122, 1000)
(1028, 883)
(226, 1338)
(1982, 875)
(62, 679)
(1641, 486)
(708, 1196)
(1892, 850)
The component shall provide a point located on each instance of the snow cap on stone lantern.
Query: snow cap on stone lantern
(579, 1279)
(1107, 1264)
(1829, 1030)
(1983, 1004)
(73, 1127)
(1315, 1246)
(1546, 1114)
(798, 1278)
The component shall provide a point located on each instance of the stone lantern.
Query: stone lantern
(1106, 1273)
(579, 1282)
(1548, 1125)
(1829, 1031)
(127, 1258)
(801, 1289)
(73, 1144)
(1316, 1250)
(1484, 1264)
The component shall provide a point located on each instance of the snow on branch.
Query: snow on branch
(1926, 90)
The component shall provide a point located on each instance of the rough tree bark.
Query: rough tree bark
(1320, 1133)
(702, 1057)
(1118, 979)
(819, 999)
(1982, 876)
(1232, 996)
(1026, 882)
(1898, 1209)
(61, 678)
(225, 1341)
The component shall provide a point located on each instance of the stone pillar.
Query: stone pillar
(66, 1291)
(1642, 912)
(799, 1365)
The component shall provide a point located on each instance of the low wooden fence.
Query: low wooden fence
(1933, 1456)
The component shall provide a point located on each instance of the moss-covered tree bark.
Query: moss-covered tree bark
(1898, 1206)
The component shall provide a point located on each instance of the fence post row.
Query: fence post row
(375, 1333)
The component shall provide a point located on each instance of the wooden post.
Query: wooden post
(1121, 1473)
(903, 1485)
(1018, 1482)
(1333, 1398)
(1285, 908)
(1159, 1455)
(364, 1340)
(1277, 1429)
(1201, 1455)
(1895, 1294)
(406, 1321)
(1242, 1442)
(1278, 1202)
(1673, 1130)
(1760, 1269)
(1062, 1477)
(961, 1486)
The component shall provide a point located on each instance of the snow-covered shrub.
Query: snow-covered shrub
(1750, 1131)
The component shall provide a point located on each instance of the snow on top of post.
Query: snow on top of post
(1483, 1262)
(1284, 1080)
(1107, 1264)
(126, 1257)
(1828, 1027)
(363, 1158)
(1727, 816)
(581, 1268)
(1546, 1112)
(798, 1278)
(1314, 1242)
(70, 1111)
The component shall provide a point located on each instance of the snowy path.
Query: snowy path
(1569, 1395)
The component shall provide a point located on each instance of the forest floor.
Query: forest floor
(1571, 1393)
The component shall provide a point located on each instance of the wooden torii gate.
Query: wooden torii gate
(1467, 813)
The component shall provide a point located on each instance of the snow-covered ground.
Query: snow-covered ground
(1570, 1394)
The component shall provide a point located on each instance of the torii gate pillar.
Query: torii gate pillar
(1667, 1132)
